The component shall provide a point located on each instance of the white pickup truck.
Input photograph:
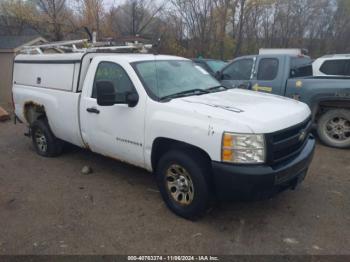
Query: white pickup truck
(169, 116)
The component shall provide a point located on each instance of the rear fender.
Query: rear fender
(325, 103)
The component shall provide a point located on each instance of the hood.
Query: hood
(262, 113)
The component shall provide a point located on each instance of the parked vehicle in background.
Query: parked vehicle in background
(283, 51)
(291, 76)
(170, 117)
(332, 65)
(210, 65)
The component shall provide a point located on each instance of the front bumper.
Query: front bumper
(261, 181)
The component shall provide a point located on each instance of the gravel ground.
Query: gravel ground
(48, 207)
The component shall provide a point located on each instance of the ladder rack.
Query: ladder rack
(71, 46)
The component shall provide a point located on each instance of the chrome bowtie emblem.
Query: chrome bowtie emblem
(302, 136)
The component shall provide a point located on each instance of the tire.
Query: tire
(180, 173)
(44, 141)
(334, 128)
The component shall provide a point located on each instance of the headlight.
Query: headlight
(243, 148)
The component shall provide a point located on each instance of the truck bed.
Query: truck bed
(49, 82)
(311, 90)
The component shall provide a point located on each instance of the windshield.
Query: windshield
(170, 77)
(216, 65)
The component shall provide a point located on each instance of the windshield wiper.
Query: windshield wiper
(185, 93)
(217, 88)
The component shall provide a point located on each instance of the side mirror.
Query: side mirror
(105, 93)
(132, 99)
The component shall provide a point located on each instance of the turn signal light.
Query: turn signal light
(227, 141)
(227, 155)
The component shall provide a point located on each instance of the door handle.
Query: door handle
(93, 110)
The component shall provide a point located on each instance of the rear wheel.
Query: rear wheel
(182, 181)
(44, 141)
(334, 128)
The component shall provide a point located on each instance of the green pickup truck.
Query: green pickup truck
(291, 76)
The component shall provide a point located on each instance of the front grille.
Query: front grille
(286, 144)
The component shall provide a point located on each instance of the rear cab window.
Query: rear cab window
(300, 67)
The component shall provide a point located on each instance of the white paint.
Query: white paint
(184, 119)
(53, 76)
(317, 64)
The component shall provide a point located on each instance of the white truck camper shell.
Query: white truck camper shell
(46, 70)
(54, 71)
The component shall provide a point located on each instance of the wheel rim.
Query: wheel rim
(179, 184)
(338, 128)
(40, 140)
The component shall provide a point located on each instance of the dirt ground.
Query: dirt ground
(48, 207)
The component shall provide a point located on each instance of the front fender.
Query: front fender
(199, 132)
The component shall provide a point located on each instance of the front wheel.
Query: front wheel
(334, 128)
(183, 182)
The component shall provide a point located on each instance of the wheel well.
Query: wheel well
(324, 106)
(162, 145)
(33, 111)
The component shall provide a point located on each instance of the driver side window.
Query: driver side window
(115, 74)
(239, 70)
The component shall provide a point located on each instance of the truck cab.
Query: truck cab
(290, 75)
(265, 73)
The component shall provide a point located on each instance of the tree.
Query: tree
(197, 16)
(136, 17)
(212, 28)
(54, 13)
(92, 14)
(222, 7)
(16, 16)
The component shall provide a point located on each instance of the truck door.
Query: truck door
(238, 74)
(115, 131)
(268, 75)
